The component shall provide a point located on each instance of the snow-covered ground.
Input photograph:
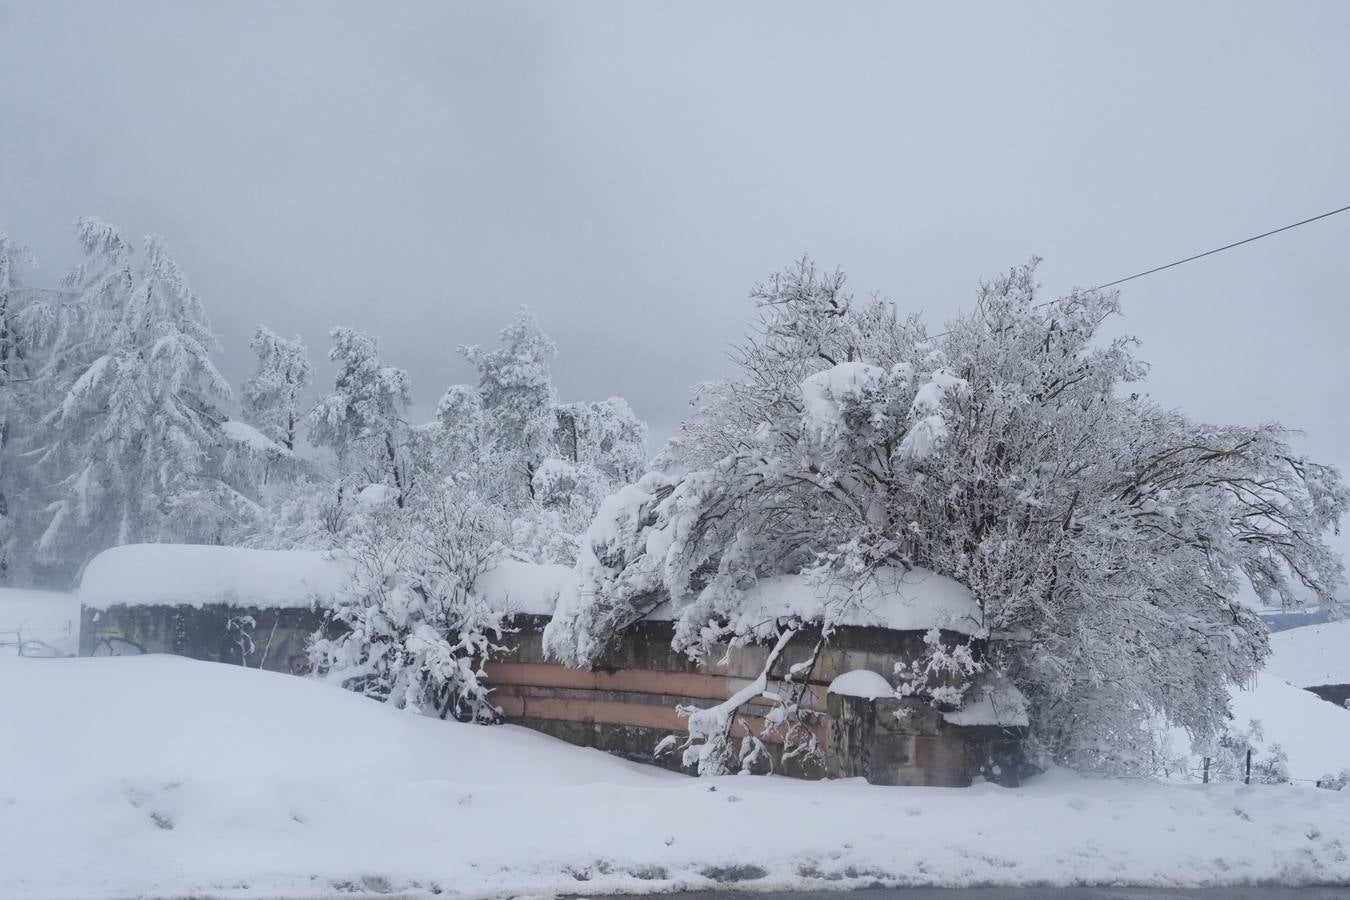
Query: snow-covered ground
(162, 776)
(38, 623)
(1314, 733)
(1312, 655)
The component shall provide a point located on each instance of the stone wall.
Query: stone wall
(907, 741)
(626, 704)
(272, 639)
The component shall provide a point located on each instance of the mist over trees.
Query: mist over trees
(117, 427)
(1105, 538)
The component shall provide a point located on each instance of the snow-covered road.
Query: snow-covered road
(999, 893)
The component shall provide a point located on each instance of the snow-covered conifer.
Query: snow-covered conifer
(515, 388)
(15, 351)
(362, 419)
(129, 441)
(271, 395)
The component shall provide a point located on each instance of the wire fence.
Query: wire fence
(38, 642)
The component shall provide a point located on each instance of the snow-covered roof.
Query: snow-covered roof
(914, 600)
(195, 574)
(1312, 655)
(862, 683)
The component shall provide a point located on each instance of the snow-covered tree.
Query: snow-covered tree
(607, 436)
(362, 419)
(1104, 537)
(549, 463)
(491, 483)
(15, 349)
(129, 441)
(271, 396)
(1226, 757)
(515, 389)
(412, 629)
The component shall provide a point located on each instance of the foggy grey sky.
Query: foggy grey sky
(629, 170)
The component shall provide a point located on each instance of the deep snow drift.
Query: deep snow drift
(163, 776)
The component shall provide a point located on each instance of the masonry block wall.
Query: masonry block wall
(626, 703)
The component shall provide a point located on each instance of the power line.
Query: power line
(1255, 237)
(1220, 249)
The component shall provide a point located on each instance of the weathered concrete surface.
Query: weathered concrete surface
(272, 639)
(907, 742)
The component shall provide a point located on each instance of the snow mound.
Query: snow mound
(164, 777)
(195, 574)
(862, 683)
(1312, 655)
(261, 725)
(914, 600)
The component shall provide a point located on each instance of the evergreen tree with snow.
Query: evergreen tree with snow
(16, 350)
(515, 389)
(271, 395)
(362, 420)
(129, 442)
(549, 463)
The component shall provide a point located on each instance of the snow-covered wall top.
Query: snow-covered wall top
(1313, 655)
(914, 600)
(524, 588)
(194, 574)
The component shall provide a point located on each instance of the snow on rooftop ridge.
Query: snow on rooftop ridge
(1312, 655)
(913, 600)
(199, 574)
(862, 683)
